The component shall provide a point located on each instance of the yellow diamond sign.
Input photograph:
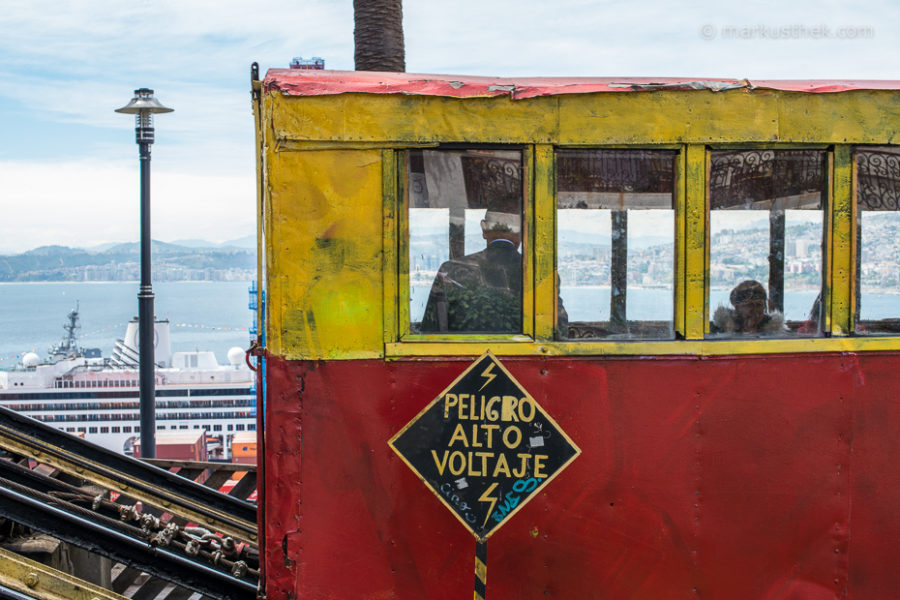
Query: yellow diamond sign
(484, 446)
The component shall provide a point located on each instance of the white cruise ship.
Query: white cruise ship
(78, 391)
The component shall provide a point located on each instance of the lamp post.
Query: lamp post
(143, 106)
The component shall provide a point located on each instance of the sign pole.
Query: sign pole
(480, 569)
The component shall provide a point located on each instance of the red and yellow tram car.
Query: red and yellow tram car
(695, 284)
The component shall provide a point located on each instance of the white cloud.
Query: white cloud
(84, 203)
(72, 62)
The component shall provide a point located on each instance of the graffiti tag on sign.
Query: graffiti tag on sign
(484, 446)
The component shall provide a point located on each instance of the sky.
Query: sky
(69, 172)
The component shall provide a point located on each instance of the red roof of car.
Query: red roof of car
(300, 82)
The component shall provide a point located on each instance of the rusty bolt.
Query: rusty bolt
(31, 580)
(239, 569)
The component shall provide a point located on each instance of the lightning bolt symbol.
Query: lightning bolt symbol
(486, 496)
(487, 375)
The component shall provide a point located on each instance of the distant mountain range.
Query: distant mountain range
(186, 260)
(248, 242)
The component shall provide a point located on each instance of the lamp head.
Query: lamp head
(143, 100)
(143, 106)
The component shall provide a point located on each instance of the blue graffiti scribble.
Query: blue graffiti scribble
(511, 499)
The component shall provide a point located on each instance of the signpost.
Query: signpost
(484, 447)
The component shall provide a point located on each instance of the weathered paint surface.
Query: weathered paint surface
(842, 250)
(324, 253)
(333, 214)
(22, 577)
(662, 117)
(545, 290)
(326, 83)
(709, 469)
(715, 477)
(695, 241)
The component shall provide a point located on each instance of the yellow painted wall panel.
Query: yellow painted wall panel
(412, 119)
(851, 117)
(665, 117)
(325, 254)
(698, 116)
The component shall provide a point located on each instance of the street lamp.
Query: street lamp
(143, 106)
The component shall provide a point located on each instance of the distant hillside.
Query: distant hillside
(247, 242)
(121, 262)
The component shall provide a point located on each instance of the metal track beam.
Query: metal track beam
(22, 578)
(126, 475)
(96, 538)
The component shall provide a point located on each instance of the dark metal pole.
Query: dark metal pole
(146, 318)
(143, 106)
(776, 260)
(618, 272)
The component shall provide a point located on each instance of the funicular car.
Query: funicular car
(699, 287)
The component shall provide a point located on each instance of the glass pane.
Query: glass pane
(465, 236)
(878, 231)
(615, 243)
(766, 227)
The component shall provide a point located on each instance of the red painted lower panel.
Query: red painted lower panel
(753, 477)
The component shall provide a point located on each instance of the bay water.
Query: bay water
(204, 315)
(214, 315)
(591, 303)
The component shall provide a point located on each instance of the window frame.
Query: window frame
(854, 291)
(405, 333)
(827, 234)
(691, 285)
(678, 263)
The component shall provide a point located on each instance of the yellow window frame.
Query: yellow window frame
(849, 165)
(691, 302)
(396, 196)
(827, 231)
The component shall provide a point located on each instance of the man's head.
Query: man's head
(749, 301)
(502, 226)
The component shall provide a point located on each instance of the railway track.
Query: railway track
(164, 528)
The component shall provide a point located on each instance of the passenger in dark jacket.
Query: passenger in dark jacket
(482, 292)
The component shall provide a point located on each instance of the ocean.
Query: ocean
(591, 303)
(214, 315)
(204, 315)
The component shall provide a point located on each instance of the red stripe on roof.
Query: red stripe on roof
(298, 82)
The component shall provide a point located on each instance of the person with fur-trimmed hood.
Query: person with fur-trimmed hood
(749, 314)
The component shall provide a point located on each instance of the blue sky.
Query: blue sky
(68, 163)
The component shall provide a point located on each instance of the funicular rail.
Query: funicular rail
(129, 548)
(165, 544)
(19, 574)
(126, 475)
(212, 474)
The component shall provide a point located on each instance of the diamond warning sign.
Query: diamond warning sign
(484, 446)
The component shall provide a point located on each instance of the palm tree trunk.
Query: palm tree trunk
(378, 35)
